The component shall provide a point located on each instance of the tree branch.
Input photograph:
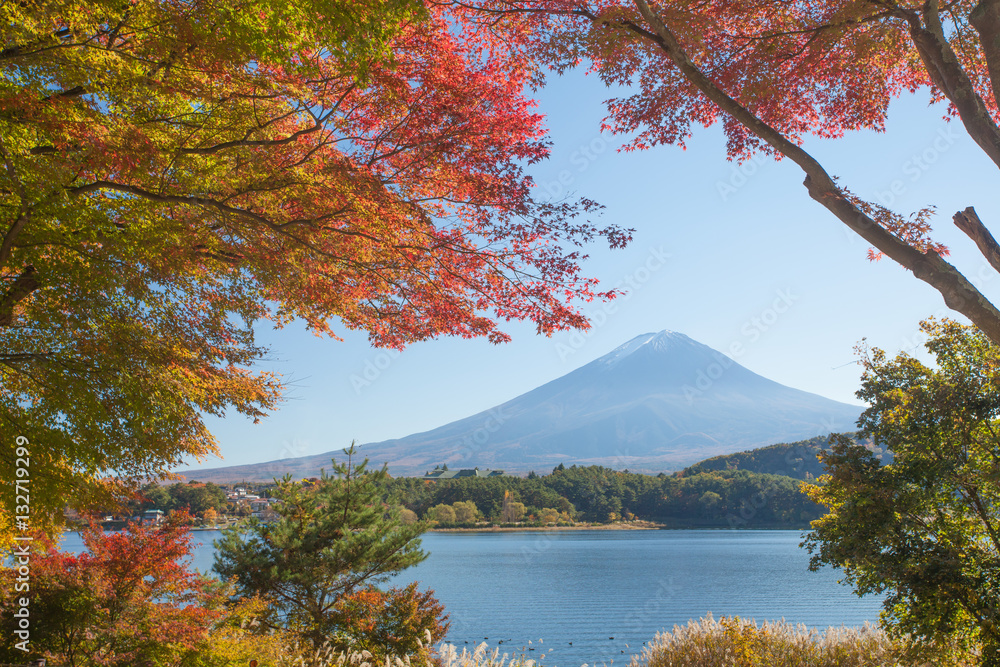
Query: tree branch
(985, 18)
(75, 91)
(959, 294)
(947, 74)
(170, 199)
(7, 243)
(23, 356)
(36, 46)
(968, 221)
(244, 143)
(24, 284)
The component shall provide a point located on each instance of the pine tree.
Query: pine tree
(333, 537)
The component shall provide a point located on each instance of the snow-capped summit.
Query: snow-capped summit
(659, 342)
(658, 402)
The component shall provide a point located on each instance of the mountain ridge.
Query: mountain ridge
(657, 402)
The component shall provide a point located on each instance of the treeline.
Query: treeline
(735, 498)
(798, 459)
(193, 497)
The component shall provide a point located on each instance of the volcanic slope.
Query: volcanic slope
(659, 402)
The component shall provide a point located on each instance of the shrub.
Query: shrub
(390, 623)
(736, 642)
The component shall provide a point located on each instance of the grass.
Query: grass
(736, 642)
(731, 642)
(448, 656)
(728, 642)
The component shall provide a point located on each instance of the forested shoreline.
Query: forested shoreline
(717, 492)
(721, 498)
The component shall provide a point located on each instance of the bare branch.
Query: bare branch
(968, 221)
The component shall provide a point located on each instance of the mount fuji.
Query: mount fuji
(659, 402)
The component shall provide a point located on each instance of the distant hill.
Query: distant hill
(796, 459)
(659, 402)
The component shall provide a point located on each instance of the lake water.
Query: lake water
(595, 596)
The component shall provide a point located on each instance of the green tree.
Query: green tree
(156, 497)
(549, 516)
(465, 511)
(709, 502)
(333, 537)
(197, 497)
(924, 528)
(442, 514)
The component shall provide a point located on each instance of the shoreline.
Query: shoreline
(649, 525)
(636, 525)
(493, 528)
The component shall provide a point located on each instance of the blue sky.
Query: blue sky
(715, 246)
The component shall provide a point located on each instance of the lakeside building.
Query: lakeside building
(152, 517)
(444, 473)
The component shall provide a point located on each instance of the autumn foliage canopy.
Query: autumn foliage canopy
(173, 172)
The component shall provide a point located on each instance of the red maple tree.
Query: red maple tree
(393, 622)
(775, 73)
(130, 599)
